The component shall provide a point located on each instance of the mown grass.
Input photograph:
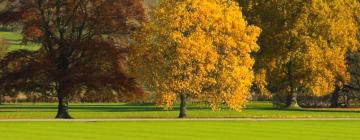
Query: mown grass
(182, 130)
(123, 110)
(13, 39)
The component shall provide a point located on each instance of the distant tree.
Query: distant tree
(78, 42)
(3, 52)
(350, 90)
(196, 49)
(304, 45)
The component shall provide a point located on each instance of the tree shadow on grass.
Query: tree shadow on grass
(320, 110)
(126, 109)
(139, 107)
(92, 108)
(326, 111)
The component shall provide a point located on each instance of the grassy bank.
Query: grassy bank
(14, 41)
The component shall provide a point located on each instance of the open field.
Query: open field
(180, 130)
(123, 110)
(74, 59)
(14, 41)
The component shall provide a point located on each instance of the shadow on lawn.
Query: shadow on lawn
(131, 107)
(312, 110)
(91, 108)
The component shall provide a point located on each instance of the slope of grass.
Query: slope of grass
(181, 130)
(14, 41)
(122, 110)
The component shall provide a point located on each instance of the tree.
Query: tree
(310, 39)
(3, 46)
(3, 52)
(196, 49)
(350, 90)
(77, 38)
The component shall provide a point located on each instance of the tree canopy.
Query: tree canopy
(78, 44)
(310, 38)
(197, 49)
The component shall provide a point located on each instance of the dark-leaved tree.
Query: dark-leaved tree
(78, 47)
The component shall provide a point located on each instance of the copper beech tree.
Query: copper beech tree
(196, 49)
(78, 48)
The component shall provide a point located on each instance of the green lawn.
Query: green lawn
(182, 130)
(122, 110)
(14, 41)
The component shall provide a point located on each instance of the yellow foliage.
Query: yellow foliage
(261, 83)
(304, 43)
(197, 47)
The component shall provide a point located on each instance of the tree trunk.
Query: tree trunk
(347, 101)
(63, 108)
(62, 87)
(1, 99)
(63, 103)
(335, 98)
(292, 101)
(33, 98)
(292, 97)
(182, 106)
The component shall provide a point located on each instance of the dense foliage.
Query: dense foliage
(198, 49)
(80, 48)
(311, 40)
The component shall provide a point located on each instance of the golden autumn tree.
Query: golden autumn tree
(304, 45)
(196, 49)
(78, 43)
